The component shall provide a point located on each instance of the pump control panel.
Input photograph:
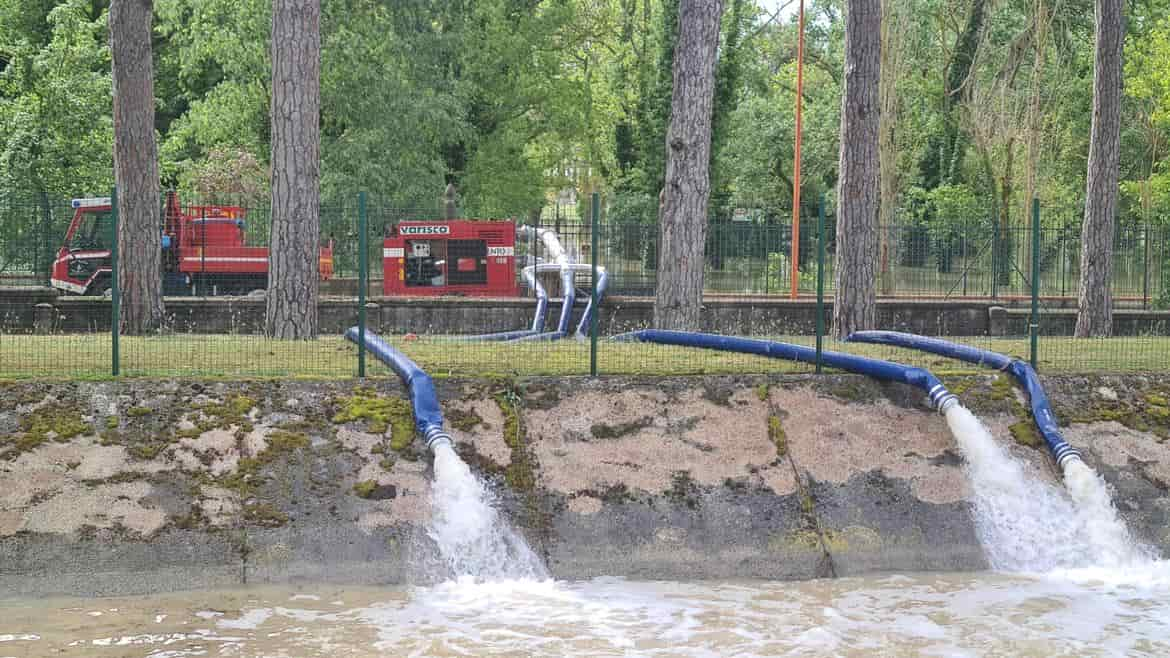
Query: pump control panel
(456, 257)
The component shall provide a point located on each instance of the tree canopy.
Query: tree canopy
(514, 100)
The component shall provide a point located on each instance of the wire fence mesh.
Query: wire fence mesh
(430, 293)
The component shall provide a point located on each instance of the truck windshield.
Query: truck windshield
(94, 231)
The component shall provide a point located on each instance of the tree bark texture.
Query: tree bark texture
(1095, 306)
(296, 229)
(892, 37)
(858, 202)
(136, 167)
(1042, 16)
(683, 218)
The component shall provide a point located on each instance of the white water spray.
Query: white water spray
(472, 538)
(1106, 531)
(1026, 524)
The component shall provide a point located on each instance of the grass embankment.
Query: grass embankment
(88, 356)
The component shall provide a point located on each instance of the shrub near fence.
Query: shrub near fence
(748, 275)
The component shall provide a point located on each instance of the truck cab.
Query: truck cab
(82, 265)
(204, 251)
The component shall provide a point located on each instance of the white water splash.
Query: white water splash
(472, 538)
(1028, 525)
(1106, 531)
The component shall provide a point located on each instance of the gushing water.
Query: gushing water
(1027, 524)
(1105, 530)
(473, 540)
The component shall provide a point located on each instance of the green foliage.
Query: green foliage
(780, 272)
(513, 100)
(56, 128)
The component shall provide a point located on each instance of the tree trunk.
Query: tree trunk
(1004, 259)
(1095, 307)
(682, 230)
(891, 36)
(136, 167)
(296, 101)
(1035, 116)
(858, 203)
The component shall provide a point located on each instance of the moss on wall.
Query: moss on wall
(1149, 411)
(777, 435)
(380, 413)
(618, 430)
(463, 420)
(1026, 434)
(56, 421)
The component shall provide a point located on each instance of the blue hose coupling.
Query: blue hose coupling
(1065, 453)
(942, 399)
(435, 437)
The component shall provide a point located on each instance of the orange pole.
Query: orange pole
(795, 251)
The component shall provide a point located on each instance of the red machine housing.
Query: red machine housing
(452, 257)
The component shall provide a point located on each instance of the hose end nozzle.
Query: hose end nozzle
(436, 437)
(1066, 454)
(942, 399)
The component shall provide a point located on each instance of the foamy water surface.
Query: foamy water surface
(1072, 613)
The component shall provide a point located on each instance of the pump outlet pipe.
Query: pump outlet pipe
(555, 252)
(587, 317)
(428, 415)
(538, 318)
(1061, 451)
(940, 397)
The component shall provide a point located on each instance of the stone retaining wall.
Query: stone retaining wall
(137, 486)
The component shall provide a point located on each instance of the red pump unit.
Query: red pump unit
(452, 257)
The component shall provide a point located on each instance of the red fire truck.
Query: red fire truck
(203, 251)
(452, 257)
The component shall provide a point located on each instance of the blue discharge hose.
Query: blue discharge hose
(428, 415)
(1024, 374)
(940, 398)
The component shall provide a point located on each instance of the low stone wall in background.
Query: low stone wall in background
(40, 310)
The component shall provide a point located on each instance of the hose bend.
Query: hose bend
(424, 401)
(1025, 376)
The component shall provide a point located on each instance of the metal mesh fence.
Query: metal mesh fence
(972, 282)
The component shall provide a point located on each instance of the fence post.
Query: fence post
(820, 282)
(363, 279)
(995, 247)
(594, 221)
(1146, 264)
(44, 260)
(115, 289)
(1034, 325)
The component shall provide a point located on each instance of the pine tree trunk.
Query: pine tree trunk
(858, 203)
(683, 226)
(296, 101)
(1035, 116)
(136, 167)
(1095, 307)
(891, 35)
